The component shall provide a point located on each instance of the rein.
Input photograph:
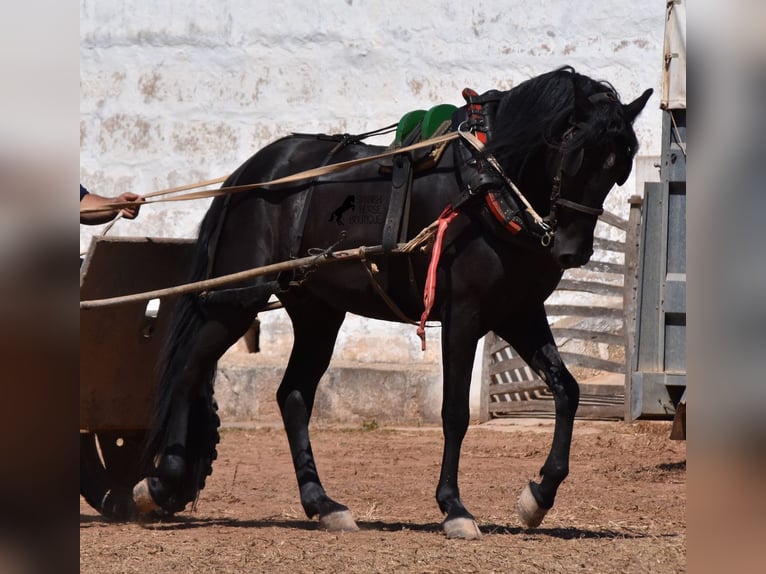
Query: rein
(300, 176)
(467, 136)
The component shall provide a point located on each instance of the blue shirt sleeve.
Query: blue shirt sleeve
(83, 192)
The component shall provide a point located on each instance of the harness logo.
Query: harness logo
(368, 210)
(371, 210)
(348, 203)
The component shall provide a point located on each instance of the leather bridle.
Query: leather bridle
(556, 200)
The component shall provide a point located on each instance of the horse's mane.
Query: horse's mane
(533, 116)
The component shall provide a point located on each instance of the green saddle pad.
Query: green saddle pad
(429, 121)
(435, 117)
(409, 122)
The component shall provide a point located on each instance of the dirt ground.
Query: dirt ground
(622, 508)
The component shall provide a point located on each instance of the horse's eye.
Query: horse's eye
(609, 162)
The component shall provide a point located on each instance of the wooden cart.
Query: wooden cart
(119, 346)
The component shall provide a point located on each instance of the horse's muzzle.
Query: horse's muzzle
(570, 260)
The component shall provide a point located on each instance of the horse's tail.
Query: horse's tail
(202, 437)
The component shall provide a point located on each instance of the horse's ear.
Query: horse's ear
(634, 108)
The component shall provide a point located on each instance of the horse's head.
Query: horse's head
(595, 152)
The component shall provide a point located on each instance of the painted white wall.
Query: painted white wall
(181, 91)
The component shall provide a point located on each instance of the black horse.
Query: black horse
(562, 138)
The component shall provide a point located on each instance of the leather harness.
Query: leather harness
(481, 179)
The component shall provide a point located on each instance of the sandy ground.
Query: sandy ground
(622, 508)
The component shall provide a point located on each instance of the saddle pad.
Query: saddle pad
(429, 121)
(434, 118)
(409, 122)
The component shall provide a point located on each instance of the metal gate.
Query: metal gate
(589, 330)
(657, 380)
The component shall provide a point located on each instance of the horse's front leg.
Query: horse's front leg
(532, 339)
(458, 350)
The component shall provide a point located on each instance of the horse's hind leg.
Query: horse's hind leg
(532, 339)
(222, 326)
(315, 329)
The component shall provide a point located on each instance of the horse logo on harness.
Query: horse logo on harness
(348, 203)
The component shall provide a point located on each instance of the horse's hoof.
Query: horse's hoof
(463, 528)
(339, 521)
(142, 497)
(530, 512)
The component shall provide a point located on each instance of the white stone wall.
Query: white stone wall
(181, 91)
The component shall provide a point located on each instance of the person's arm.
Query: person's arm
(92, 201)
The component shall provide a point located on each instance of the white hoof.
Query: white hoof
(530, 512)
(145, 504)
(463, 528)
(340, 521)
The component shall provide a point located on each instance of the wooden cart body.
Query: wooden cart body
(119, 347)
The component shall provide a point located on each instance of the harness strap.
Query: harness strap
(371, 270)
(401, 185)
(597, 211)
(557, 200)
(429, 293)
(242, 296)
(507, 215)
(305, 199)
(504, 212)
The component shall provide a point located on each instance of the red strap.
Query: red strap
(497, 212)
(474, 109)
(429, 292)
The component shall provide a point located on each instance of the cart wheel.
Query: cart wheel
(109, 467)
(111, 463)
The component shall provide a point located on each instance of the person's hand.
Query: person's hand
(94, 208)
(130, 212)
